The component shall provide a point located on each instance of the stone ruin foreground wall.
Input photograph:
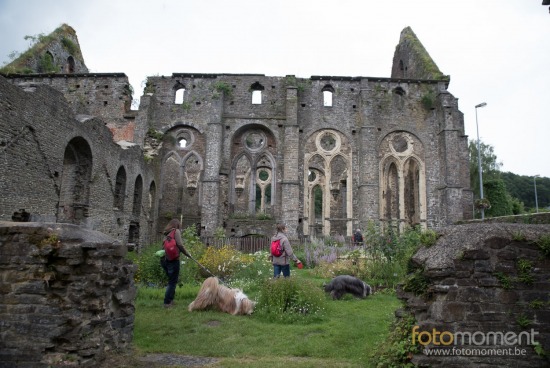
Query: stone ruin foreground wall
(481, 278)
(67, 295)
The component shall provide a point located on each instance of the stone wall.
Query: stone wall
(205, 150)
(44, 146)
(367, 116)
(482, 278)
(67, 295)
(107, 96)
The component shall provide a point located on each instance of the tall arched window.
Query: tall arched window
(70, 65)
(138, 192)
(327, 170)
(152, 199)
(120, 189)
(402, 181)
(74, 195)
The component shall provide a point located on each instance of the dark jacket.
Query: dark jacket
(287, 255)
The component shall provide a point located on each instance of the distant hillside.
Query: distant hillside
(523, 188)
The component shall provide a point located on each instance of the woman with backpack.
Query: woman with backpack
(171, 260)
(280, 259)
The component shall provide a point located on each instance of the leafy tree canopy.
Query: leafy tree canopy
(490, 166)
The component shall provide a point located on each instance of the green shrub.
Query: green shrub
(428, 100)
(416, 282)
(222, 262)
(537, 304)
(523, 321)
(255, 267)
(381, 262)
(398, 349)
(544, 244)
(69, 45)
(190, 271)
(524, 271)
(518, 236)
(505, 281)
(223, 87)
(501, 202)
(155, 134)
(291, 300)
(149, 271)
(428, 237)
(46, 64)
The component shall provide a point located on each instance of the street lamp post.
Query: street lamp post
(483, 104)
(536, 199)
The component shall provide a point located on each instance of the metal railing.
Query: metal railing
(245, 244)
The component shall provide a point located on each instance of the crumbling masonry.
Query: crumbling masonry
(236, 152)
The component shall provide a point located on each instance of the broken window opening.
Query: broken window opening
(257, 89)
(256, 97)
(327, 98)
(180, 92)
(327, 90)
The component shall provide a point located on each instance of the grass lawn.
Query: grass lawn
(344, 336)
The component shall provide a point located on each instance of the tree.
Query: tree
(489, 165)
(522, 188)
(500, 199)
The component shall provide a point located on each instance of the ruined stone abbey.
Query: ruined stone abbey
(238, 152)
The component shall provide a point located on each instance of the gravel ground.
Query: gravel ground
(130, 360)
(178, 360)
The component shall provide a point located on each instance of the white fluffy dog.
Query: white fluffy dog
(214, 295)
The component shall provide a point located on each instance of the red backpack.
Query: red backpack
(170, 247)
(276, 248)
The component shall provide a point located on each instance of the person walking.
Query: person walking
(172, 267)
(281, 263)
(358, 238)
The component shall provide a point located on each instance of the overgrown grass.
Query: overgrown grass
(344, 336)
(295, 322)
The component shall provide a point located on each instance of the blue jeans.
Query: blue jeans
(277, 269)
(172, 269)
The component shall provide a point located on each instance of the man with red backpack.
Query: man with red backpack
(281, 262)
(173, 246)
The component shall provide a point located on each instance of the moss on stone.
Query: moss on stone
(38, 51)
(427, 68)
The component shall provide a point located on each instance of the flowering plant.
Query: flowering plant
(482, 203)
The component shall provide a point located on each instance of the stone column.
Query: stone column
(367, 157)
(210, 215)
(454, 172)
(290, 185)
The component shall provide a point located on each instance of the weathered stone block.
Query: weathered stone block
(506, 267)
(439, 273)
(475, 254)
(508, 254)
(478, 301)
(488, 282)
(53, 307)
(508, 296)
(454, 311)
(463, 264)
(483, 266)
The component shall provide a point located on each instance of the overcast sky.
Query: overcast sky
(496, 52)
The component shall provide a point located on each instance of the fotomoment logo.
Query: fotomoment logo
(477, 338)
